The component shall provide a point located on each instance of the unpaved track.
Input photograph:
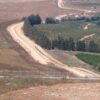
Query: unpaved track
(39, 55)
(87, 37)
(62, 6)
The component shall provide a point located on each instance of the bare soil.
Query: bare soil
(10, 11)
(74, 91)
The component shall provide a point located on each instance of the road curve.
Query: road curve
(62, 6)
(40, 55)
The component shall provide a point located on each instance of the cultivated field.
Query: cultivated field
(69, 58)
(91, 59)
(74, 29)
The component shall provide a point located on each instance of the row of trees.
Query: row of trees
(71, 44)
(82, 18)
(36, 20)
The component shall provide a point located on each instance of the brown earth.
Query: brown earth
(74, 91)
(10, 11)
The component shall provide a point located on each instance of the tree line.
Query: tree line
(36, 20)
(71, 44)
(82, 18)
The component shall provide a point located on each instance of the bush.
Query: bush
(50, 20)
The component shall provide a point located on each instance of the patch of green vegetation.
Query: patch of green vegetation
(74, 29)
(91, 59)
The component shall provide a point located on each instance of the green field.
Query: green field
(91, 59)
(68, 29)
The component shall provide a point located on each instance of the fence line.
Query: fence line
(40, 74)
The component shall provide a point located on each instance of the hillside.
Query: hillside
(22, 75)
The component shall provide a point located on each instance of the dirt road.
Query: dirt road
(40, 55)
(62, 6)
(87, 37)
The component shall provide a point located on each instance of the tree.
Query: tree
(71, 44)
(81, 46)
(60, 42)
(34, 19)
(65, 45)
(50, 20)
(93, 47)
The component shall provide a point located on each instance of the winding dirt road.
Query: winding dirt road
(87, 37)
(40, 55)
(62, 6)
